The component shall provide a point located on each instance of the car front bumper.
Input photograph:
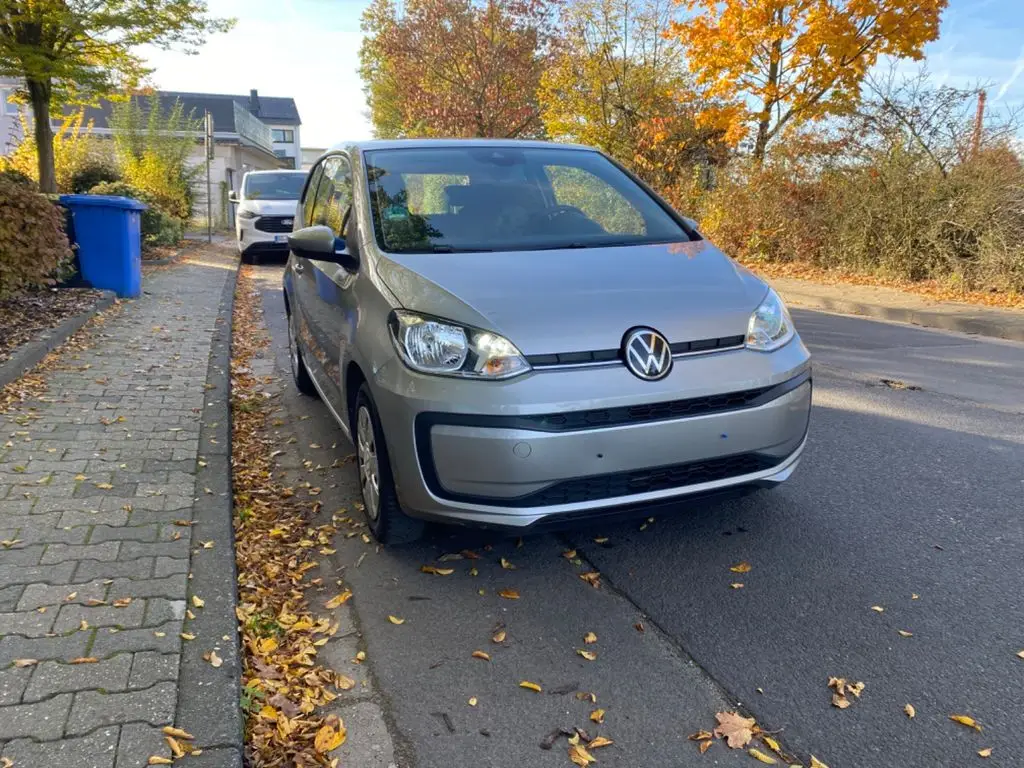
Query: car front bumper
(572, 442)
(253, 240)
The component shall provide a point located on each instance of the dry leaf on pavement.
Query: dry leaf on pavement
(481, 655)
(530, 686)
(396, 620)
(986, 752)
(331, 735)
(598, 742)
(344, 682)
(593, 578)
(877, 609)
(507, 565)
(704, 746)
(498, 637)
(700, 735)
(842, 688)
(158, 760)
(904, 633)
(178, 733)
(757, 754)
(198, 602)
(437, 571)
(736, 730)
(84, 660)
(338, 600)
(472, 701)
(569, 554)
(509, 594)
(579, 756)
(967, 720)
(25, 662)
(588, 655)
(213, 658)
(176, 749)
(743, 567)
(910, 711)
(589, 638)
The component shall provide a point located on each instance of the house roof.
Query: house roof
(269, 109)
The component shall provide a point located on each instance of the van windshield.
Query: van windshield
(480, 198)
(274, 186)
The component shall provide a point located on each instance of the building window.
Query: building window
(6, 107)
(280, 134)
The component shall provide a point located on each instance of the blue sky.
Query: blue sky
(308, 49)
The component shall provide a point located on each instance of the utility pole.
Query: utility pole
(208, 143)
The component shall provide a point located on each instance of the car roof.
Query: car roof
(422, 143)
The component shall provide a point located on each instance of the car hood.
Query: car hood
(578, 300)
(271, 207)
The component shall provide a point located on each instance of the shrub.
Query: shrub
(89, 175)
(14, 176)
(33, 247)
(75, 149)
(158, 226)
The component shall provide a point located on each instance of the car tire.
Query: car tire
(384, 515)
(248, 257)
(300, 375)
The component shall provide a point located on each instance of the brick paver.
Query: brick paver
(97, 480)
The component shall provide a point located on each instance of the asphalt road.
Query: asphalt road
(911, 500)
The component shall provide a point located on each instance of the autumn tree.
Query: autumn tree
(796, 61)
(455, 67)
(72, 51)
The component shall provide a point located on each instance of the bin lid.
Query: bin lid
(103, 201)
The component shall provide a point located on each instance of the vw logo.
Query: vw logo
(647, 354)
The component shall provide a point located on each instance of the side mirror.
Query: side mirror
(320, 244)
(691, 223)
(233, 197)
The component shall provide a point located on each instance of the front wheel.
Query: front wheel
(300, 375)
(384, 516)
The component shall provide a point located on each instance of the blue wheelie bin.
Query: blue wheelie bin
(108, 231)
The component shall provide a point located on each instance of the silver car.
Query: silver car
(515, 333)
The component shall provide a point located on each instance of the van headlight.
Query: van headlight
(247, 213)
(439, 347)
(770, 326)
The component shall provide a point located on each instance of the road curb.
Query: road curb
(208, 703)
(30, 354)
(967, 322)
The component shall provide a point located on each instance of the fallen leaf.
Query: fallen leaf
(103, 486)
(437, 571)
(593, 578)
(6, 762)
(338, 600)
(25, 662)
(530, 686)
(472, 701)
(499, 636)
(569, 554)
(207, 544)
(743, 567)
(84, 660)
(599, 741)
(507, 565)
(737, 585)
(71, 596)
(904, 633)
(910, 711)
(344, 682)
(509, 594)
(213, 658)
(178, 733)
(597, 715)
(157, 760)
(816, 763)
(481, 655)
(187, 636)
(705, 746)
(588, 655)
(877, 609)
(601, 540)
(396, 620)
(772, 744)
(579, 756)
(1020, 654)
(736, 730)
(330, 736)
(589, 638)
(361, 657)
(197, 601)
(840, 702)
(915, 596)
(757, 754)
(639, 626)
(986, 752)
(122, 602)
(700, 735)
(8, 543)
(176, 749)
(970, 722)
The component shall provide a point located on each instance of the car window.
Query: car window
(310, 197)
(599, 200)
(500, 198)
(274, 186)
(333, 195)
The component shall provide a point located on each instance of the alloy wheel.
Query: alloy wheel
(369, 477)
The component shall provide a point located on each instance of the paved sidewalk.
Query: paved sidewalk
(99, 481)
(901, 306)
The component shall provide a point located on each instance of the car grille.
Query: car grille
(611, 355)
(616, 484)
(274, 223)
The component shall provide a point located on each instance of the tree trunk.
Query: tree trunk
(762, 140)
(39, 92)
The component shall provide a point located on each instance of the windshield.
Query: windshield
(274, 186)
(478, 198)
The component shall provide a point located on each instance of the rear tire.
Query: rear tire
(384, 515)
(300, 375)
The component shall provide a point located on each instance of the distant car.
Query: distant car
(515, 333)
(266, 210)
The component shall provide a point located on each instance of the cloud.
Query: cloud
(1018, 70)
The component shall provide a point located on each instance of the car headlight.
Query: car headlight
(770, 326)
(429, 345)
(247, 213)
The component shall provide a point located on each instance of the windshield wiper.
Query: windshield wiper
(445, 249)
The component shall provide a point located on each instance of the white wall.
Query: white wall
(10, 124)
(289, 148)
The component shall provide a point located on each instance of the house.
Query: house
(10, 122)
(251, 133)
(310, 155)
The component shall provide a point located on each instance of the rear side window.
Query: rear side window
(310, 196)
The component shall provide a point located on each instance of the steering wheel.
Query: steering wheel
(564, 210)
